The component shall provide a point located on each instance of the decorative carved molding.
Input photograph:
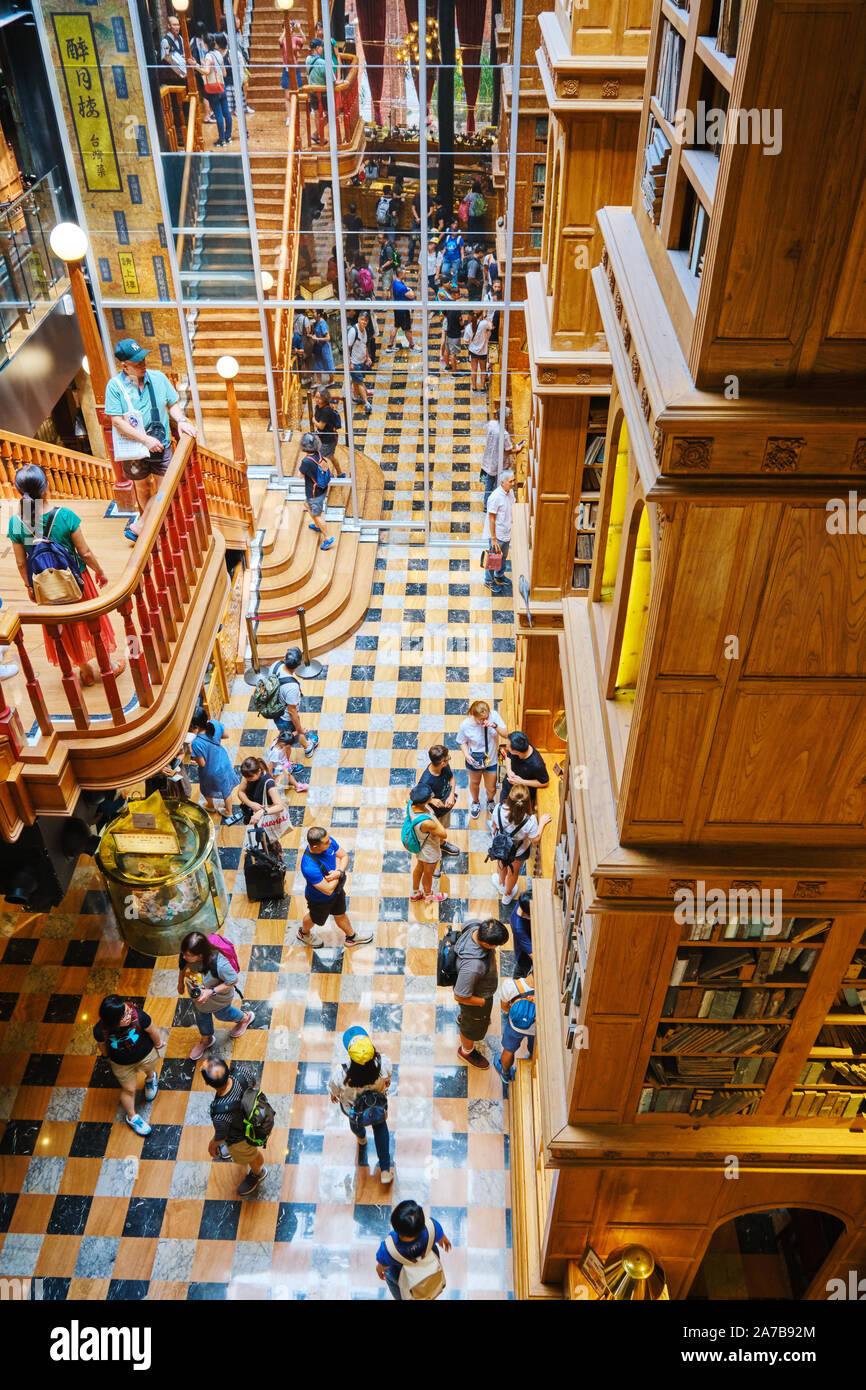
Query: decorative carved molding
(569, 87)
(635, 368)
(809, 888)
(658, 444)
(745, 885)
(676, 884)
(645, 405)
(781, 455)
(610, 88)
(611, 280)
(692, 454)
(547, 375)
(663, 518)
(604, 257)
(626, 335)
(615, 887)
(583, 378)
(617, 304)
(858, 462)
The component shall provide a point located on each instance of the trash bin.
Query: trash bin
(162, 872)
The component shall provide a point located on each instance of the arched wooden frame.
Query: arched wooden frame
(611, 447)
(635, 512)
(821, 1275)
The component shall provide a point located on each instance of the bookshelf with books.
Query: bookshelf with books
(586, 514)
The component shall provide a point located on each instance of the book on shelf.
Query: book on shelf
(811, 1104)
(753, 1071)
(646, 1099)
(850, 1039)
(655, 169)
(727, 1103)
(851, 1072)
(584, 546)
(594, 452)
(704, 1037)
(580, 577)
(698, 228)
(812, 1072)
(854, 998)
(724, 1003)
(669, 70)
(719, 961)
(728, 31)
(591, 480)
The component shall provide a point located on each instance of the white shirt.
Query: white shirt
(490, 457)
(357, 345)
(471, 736)
(433, 261)
(479, 343)
(290, 690)
(501, 507)
(528, 830)
(346, 1095)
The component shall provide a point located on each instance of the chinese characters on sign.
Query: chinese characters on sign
(77, 48)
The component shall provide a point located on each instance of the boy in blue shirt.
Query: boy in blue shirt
(409, 1233)
(453, 248)
(517, 1002)
(324, 866)
(402, 317)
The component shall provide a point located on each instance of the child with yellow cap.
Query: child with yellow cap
(359, 1087)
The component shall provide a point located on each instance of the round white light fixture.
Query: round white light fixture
(85, 365)
(285, 4)
(267, 281)
(68, 242)
(227, 367)
(180, 5)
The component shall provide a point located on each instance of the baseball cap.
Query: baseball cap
(128, 350)
(358, 1044)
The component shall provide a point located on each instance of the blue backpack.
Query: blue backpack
(409, 832)
(51, 571)
(521, 1015)
(323, 475)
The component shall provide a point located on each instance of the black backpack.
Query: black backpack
(503, 846)
(447, 965)
(254, 1122)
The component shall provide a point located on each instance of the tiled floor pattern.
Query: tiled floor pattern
(96, 1212)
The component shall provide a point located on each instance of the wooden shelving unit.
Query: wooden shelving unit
(586, 515)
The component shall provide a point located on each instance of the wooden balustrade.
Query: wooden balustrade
(226, 488)
(346, 109)
(69, 474)
(151, 600)
(289, 404)
(182, 126)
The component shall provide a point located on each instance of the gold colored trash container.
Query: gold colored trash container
(162, 872)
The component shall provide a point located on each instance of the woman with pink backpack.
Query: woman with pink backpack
(208, 971)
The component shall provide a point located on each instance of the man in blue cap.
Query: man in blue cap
(139, 403)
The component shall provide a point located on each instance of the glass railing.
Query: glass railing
(31, 278)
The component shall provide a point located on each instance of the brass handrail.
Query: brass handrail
(187, 169)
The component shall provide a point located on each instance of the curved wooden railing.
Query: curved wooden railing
(347, 108)
(69, 474)
(191, 171)
(289, 405)
(181, 126)
(226, 487)
(150, 598)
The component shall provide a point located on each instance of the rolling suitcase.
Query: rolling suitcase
(264, 871)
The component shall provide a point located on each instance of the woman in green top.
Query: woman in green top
(33, 524)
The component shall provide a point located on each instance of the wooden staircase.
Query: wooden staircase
(264, 92)
(238, 332)
(290, 570)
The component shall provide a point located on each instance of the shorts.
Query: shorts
(317, 504)
(403, 319)
(129, 1073)
(243, 1152)
(478, 356)
(430, 852)
(470, 768)
(473, 1020)
(284, 79)
(511, 1039)
(335, 907)
(357, 375)
(453, 345)
(327, 447)
(153, 466)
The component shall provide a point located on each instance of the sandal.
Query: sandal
(435, 897)
(414, 897)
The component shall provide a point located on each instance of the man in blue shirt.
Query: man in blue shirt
(150, 396)
(400, 291)
(324, 866)
(409, 1234)
(453, 251)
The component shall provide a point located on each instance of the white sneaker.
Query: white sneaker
(387, 1176)
(7, 671)
(288, 120)
(497, 883)
(475, 810)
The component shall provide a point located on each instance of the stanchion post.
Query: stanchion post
(311, 668)
(251, 676)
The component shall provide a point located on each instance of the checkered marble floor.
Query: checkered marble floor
(96, 1212)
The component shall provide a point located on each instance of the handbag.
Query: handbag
(131, 450)
(264, 874)
(214, 82)
(491, 559)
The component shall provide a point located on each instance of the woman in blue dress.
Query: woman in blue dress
(217, 777)
(324, 358)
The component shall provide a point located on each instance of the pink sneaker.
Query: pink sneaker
(435, 897)
(242, 1027)
(302, 786)
(200, 1049)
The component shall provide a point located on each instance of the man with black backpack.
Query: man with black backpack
(242, 1119)
(389, 264)
(474, 274)
(475, 985)
(317, 479)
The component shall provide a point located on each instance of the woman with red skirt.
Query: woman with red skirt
(34, 523)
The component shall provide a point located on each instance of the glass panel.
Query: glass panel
(31, 278)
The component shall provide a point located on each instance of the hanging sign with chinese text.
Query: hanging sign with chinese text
(76, 45)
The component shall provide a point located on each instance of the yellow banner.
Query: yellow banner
(76, 45)
(127, 271)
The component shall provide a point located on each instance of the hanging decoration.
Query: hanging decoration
(408, 48)
(371, 22)
(471, 18)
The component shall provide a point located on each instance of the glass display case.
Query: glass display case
(162, 872)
